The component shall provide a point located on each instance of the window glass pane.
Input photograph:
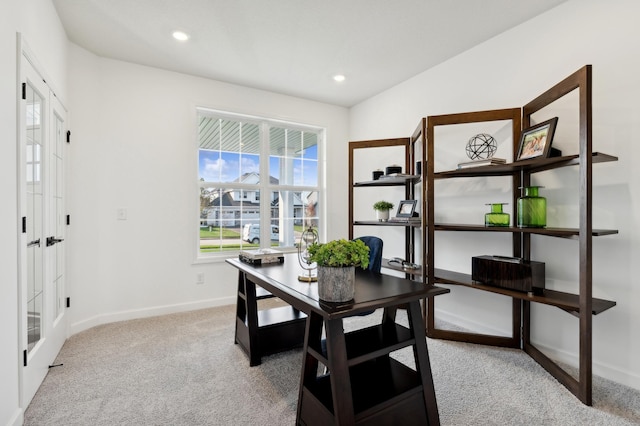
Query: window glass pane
(293, 156)
(292, 211)
(229, 220)
(229, 150)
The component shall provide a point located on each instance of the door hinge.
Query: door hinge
(68, 136)
(24, 91)
(68, 302)
(24, 357)
(24, 224)
(68, 219)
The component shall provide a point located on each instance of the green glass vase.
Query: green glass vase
(496, 217)
(532, 209)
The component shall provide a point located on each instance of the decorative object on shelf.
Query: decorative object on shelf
(532, 209)
(401, 263)
(336, 262)
(536, 140)
(481, 147)
(509, 272)
(394, 169)
(482, 162)
(377, 174)
(309, 236)
(496, 217)
(382, 210)
(407, 208)
(419, 168)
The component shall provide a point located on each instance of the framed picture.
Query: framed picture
(536, 141)
(406, 208)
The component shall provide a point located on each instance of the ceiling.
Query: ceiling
(293, 47)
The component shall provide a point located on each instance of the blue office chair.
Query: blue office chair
(375, 258)
(375, 252)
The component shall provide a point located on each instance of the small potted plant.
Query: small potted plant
(382, 210)
(336, 262)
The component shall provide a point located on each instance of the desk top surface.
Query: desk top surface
(372, 291)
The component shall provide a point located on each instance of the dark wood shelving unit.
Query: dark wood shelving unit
(582, 305)
(406, 181)
(421, 146)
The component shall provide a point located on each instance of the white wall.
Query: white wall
(509, 71)
(134, 147)
(38, 23)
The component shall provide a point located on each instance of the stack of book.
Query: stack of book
(415, 219)
(484, 162)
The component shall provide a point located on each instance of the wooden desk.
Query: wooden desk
(363, 385)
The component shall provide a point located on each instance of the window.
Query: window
(239, 209)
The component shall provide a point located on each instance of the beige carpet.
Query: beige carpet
(184, 369)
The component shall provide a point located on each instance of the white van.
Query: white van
(251, 233)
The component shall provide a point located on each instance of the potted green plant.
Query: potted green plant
(382, 210)
(336, 262)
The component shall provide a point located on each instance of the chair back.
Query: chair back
(375, 252)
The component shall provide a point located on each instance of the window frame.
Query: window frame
(264, 187)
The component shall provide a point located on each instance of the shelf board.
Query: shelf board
(397, 267)
(387, 223)
(375, 384)
(567, 301)
(534, 165)
(276, 317)
(391, 181)
(261, 293)
(555, 232)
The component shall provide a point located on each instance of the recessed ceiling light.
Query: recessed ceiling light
(339, 78)
(180, 36)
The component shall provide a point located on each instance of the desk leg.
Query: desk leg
(339, 373)
(312, 337)
(423, 365)
(247, 332)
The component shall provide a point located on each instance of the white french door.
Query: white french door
(43, 328)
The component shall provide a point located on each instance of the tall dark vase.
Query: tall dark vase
(532, 209)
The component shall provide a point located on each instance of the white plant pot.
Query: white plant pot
(383, 215)
(336, 284)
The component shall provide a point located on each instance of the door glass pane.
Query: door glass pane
(57, 217)
(35, 242)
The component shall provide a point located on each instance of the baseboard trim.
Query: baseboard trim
(468, 325)
(600, 369)
(17, 419)
(147, 312)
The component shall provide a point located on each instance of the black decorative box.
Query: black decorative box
(393, 169)
(509, 272)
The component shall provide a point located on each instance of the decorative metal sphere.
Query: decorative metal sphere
(481, 147)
